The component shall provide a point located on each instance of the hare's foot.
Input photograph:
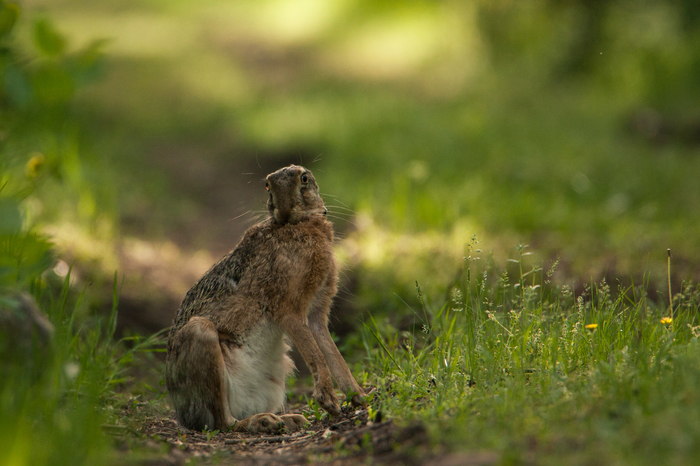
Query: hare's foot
(326, 398)
(293, 421)
(264, 423)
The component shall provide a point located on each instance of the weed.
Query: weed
(210, 433)
(314, 409)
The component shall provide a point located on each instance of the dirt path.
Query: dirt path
(349, 439)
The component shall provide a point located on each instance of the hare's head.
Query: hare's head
(293, 195)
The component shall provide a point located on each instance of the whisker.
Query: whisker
(344, 215)
(334, 197)
(341, 298)
(239, 216)
(343, 290)
(349, 214)
(341, 207)
(340, 237)
(341, 219)
(249, 221)
(257, 215)
(340, 215)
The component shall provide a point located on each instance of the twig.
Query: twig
(253, 441)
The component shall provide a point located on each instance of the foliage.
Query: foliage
(54, 393)
(42, 173)
(569, 124)
(517, 365)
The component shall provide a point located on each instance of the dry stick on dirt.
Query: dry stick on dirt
(252, 441)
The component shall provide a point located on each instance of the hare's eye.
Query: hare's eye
(267, 186)
(304, 178)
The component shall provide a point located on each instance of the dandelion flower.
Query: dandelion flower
(592, 326)
(666, 320)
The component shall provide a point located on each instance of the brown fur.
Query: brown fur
(282, 272)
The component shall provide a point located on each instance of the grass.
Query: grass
(512, 363)
(56, 408)
(522, 367)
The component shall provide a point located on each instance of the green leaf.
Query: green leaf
(48, 40)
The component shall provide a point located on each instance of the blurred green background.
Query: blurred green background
(136, 133)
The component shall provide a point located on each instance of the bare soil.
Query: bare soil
(351, 438)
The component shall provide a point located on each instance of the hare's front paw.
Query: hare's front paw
(294, 421)
(264, 423)
(326, 398)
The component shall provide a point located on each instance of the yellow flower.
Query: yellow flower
(592, 326)
(34, 165)
(666, 320)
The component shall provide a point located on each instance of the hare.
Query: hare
(227, 355)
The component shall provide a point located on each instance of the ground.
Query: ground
(349, 439)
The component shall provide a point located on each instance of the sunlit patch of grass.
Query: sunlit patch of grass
(88, 246)
(290, 22)
(387, 258)
(526, 367)
(411, 40)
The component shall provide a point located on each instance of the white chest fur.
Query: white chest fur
(256, 372)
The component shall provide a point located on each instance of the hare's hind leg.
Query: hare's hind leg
(196, 371)
(195, 377)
